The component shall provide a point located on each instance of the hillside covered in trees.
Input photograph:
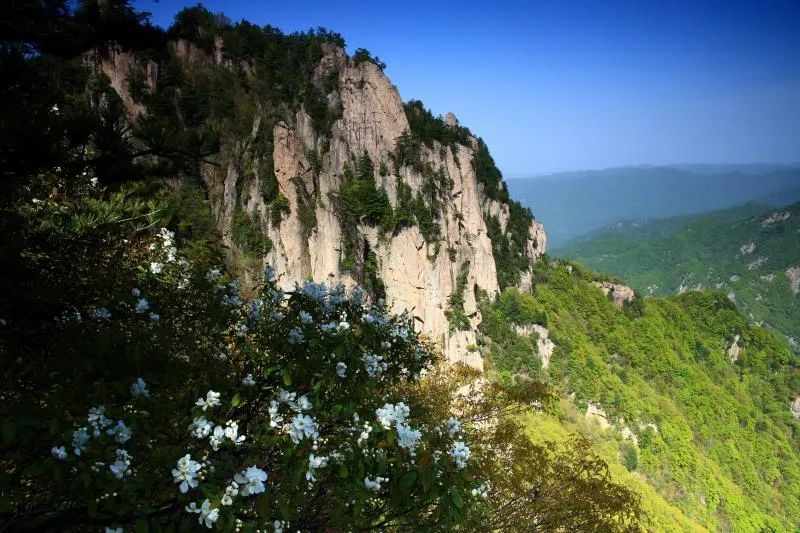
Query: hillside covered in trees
(750, 252)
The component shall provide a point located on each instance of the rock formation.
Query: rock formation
(619, 293)
(418, 275)
(793, 273)
(734, 349)
(544, 346)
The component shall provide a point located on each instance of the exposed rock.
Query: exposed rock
(732, 296)
(451, 120)
(596, 414)
(793, 273)
(775, 218)
(544, 346)
(118, 64)
(418, 276)
(747, 248)
(734, 278)
(769, 278)
(757, 263)
(734, 349)
(795, 408)
(619, 293)
(628, 434)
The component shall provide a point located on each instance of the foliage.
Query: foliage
(456, 316)
(722, 448)
(666, 256)
(362, 55)
(423, 125)
(249, 235)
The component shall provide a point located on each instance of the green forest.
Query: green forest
(746, 252)
(147, 386)
(715, 443)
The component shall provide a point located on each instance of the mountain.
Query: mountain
(689, 403)
(574, 203)
(349, 184)
(220, 223)
(751, 252)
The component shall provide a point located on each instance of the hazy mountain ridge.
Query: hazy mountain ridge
(571, 204)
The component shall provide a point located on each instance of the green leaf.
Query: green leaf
(407, 481)
(457, 500)
(287, 377)
(236, 400)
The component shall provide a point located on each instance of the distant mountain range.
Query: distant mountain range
(751, 252)
(571, 204)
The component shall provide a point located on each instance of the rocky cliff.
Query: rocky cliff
(284, 175)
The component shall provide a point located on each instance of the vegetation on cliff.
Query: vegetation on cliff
(713, 439)
(142, 390)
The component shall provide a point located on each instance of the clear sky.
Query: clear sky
(565, 85)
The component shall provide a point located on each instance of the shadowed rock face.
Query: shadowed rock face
(417, 276)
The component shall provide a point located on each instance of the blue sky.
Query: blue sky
(567, 85)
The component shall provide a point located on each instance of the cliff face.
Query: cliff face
(418, 274)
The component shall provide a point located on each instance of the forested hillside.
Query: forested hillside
(708, 439)
(751, 253)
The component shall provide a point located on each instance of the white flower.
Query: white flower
(373, 364)
(59, 452)
(79, 439)
(386, 345)
(248, 380)
(100, 312)
(481, 491)
(303, 403)
(213, 274)
(408, 438)
(341, 369)
(278, 525)
(230, 491)
(306, 318)
(154, 317)
(460, 454)
(142, 305)
(269, 273)
(113, 529)
(274, 417)
(119, 468)
(200, 427)
(303, 426)
(98, 420)
(135, 292)
(343, 326)
(121, 432)
(315, 462)
(156, 268)
(211, 400)
(217, 438)
(276, 315)
(390, 413)
(374, 484)
(295, 336)
(453, 426)
(208, 515)
(232, 432)
(186, 473)
(365, 434)
(327, 328)
(139, 388)
(251, 481)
